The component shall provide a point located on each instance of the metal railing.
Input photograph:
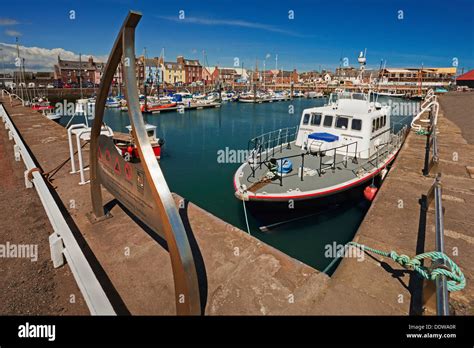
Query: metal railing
(266, 143)
(91, 289)
(257, 161)
(431, 148)
(431, 161)
(442, 294)
(12, 97)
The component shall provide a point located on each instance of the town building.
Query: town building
(206, 76)
(192, 69)
(150, 71)
(224, 75)
(414, 76)
(70, 71)
(173, 73)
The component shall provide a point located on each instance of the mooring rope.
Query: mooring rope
(246, 219)
(456, 280)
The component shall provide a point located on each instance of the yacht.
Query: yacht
(336, 152)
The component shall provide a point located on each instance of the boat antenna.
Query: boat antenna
(383, 64)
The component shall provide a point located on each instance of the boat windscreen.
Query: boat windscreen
(359, 96)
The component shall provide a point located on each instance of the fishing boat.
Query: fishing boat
(127, 146)
(337, 151)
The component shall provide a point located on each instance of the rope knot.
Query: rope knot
(404, 260)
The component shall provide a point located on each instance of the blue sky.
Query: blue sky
(431, 32)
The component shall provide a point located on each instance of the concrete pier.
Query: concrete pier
(241, 275)
(379, 286)
(238, 274)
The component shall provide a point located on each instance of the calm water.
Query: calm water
(190, 164)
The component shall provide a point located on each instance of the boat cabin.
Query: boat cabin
(350, 122)
(150, 130)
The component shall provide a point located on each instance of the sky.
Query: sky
(305, 34)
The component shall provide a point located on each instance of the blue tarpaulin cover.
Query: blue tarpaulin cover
(284, 165)
(328, 137)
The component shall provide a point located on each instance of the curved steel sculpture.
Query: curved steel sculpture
(141, 187)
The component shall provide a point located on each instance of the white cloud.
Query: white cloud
(12, 33)
(37, 58)
(232, 23)
(8, 21)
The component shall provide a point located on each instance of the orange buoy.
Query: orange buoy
(370, 192)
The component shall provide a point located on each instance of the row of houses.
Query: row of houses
(157, 71)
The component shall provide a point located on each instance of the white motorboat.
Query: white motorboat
(336, 151)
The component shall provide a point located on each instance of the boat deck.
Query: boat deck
(345, 169)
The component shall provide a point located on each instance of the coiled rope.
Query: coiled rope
(456, 280)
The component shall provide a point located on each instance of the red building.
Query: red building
(466, 79)
(70, 71)
(226, 76)
(192, 69)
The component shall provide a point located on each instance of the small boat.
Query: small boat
(336, 151)
(183, 97)
(85, 107)
(157, 107)
(112, 103)
(314, 94)
(40, 104)
(51, 114)
(128, 147)
(441, 90)
(390, 94)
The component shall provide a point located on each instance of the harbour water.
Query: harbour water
(193, 169)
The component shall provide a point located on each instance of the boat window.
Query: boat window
(342, 122)
(316, 119)
(373, 125)
(358, 96)
(327, 121)
(151, 133)
(306, 118)
(356, 124)
(384, 121)
(377, 124)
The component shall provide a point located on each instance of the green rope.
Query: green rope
(422, 132)
(456, 280)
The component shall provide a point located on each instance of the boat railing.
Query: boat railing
(382, 151)
(266, 144)
(334, 151)
(321, 167)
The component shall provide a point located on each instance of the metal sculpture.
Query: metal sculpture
(140, 187)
